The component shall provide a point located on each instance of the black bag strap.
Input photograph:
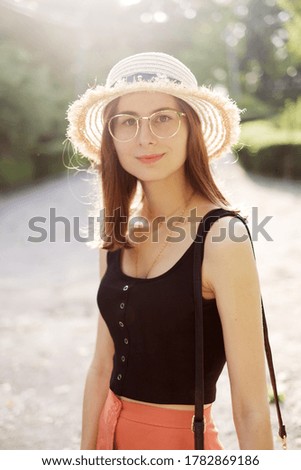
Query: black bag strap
(198, 419)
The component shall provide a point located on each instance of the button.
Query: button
(123, 358)
(126, 341)
(122, 305)
(121, 324)
(119, 377)
(125, 288)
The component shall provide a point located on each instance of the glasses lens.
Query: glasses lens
(165, 123)
(123, 127)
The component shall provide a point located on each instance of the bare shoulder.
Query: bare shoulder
(226, 233)
(228, 253)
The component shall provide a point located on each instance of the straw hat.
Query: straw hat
(153, 72)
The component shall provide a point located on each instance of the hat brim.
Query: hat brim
(219, 115)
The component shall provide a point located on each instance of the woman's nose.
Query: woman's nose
(145, 135)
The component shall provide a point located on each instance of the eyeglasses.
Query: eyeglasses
(163, 124)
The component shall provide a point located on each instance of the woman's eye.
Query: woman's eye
(163, 118)
(129, 122)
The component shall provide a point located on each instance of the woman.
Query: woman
(150, 132)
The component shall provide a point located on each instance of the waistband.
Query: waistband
(157, 416)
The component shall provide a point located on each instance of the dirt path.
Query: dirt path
(49, 313)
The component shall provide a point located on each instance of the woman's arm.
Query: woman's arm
(230, 271)
(98, 380)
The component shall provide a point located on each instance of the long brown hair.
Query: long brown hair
(119, 187)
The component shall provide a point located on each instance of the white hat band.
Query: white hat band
(152, 64)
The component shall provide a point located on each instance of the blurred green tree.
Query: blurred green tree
(266, 64)
(31, 109)
(293, 26)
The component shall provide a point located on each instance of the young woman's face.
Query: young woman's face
(146, 156)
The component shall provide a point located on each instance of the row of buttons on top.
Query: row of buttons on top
(121, 324)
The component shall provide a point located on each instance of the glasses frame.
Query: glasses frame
(148, 118)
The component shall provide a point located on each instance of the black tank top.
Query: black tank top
(151, 322)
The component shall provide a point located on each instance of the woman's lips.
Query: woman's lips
(150, 158)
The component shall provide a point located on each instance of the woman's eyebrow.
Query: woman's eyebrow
(155, 111)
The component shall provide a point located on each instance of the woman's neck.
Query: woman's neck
(163, 200)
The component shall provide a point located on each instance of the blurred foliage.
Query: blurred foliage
(271, 150)
(28, 110)
(278, 71)
(293, 27)
(254, 108)
(256, 134)
(53, 50)
(290, 117)
(279, 161)
(32, 119)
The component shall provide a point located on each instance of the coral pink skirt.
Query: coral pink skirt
(128, 425)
